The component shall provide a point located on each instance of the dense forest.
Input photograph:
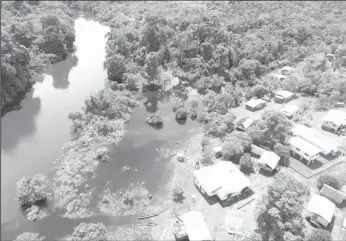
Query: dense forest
(213, 44)
(34, 34)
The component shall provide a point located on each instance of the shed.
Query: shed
(320, 210)
(222, 179)
(326, 144)
(180, 231)
(286, 70)
(244, 123)
(304, 149)
(196, 227)
(282, 96)
(332, 194)
(269, 160)
(289, 110)
(255, 104)
(334, 120)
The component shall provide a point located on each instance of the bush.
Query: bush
(319, 235)
(32, 190)
(206, 159)
(329, 180)
(205, 142)
(114, 86)
(75, 116)
(193, 113)
(181, 114)
(245, 163)
(178, 195)
(177, 104)
(155, 119)
(102, 155)
(194, 104)
(27, 236)
(122, 87)
(90, 231)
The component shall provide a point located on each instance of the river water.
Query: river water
(32, 137)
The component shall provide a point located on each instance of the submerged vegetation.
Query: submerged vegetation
(33, 35)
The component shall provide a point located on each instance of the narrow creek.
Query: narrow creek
(32, 137)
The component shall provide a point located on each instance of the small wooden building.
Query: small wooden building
(332, 194)
(320, 211)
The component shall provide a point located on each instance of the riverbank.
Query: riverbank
(34, 35)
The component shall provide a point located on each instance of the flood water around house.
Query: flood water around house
(32, 137)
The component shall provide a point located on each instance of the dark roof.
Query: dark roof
(332, 194)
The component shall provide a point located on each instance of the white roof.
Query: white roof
(304, 145)
(337, 117)
(344, 223)
(284, 93)
(269, 158)
(286, 68)
(253, 103)
(322, 207)
(195, 225)
(279, 76)
(217, 148)
(246, 122)
(323, 142)
(289, 109)
(224, 176)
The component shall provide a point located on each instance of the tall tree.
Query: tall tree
(280, 210)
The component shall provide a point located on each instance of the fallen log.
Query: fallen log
(246, 203)
(177, 217)
(149, 216)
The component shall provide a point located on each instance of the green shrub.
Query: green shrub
(32, 190)
(181, 114)
(155, 119)
(329, 180)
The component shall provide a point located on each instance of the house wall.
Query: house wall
(330, 125)
(303, 154)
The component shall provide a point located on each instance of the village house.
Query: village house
(289, 110)
(244, 123)
(332, 194)
(222, 179)
(193, 227)
(283, 96)
(267, 160)
(320, 211)
(286, 70)
(255, 104)
(334, 120)
(327, 146)
(304, 149)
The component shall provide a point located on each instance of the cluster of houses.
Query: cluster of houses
(225, 181)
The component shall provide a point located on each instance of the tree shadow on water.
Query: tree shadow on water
(21, 123)
(60, 72)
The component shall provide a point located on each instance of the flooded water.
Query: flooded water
(33, 136)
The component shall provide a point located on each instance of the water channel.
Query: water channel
(32, 137)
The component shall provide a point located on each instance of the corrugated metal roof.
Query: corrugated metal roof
(321, 141)
(304, 145)
(269, 158)
(196, 227)
(245, 122)
(253, 103)
(222, 177)
(337, 117)
(331, 193)
(322, 207)
(289, 109)
(283, 93)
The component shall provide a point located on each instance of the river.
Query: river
(32, 137)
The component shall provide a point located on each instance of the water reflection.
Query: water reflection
(60, 72)
(11, 135)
